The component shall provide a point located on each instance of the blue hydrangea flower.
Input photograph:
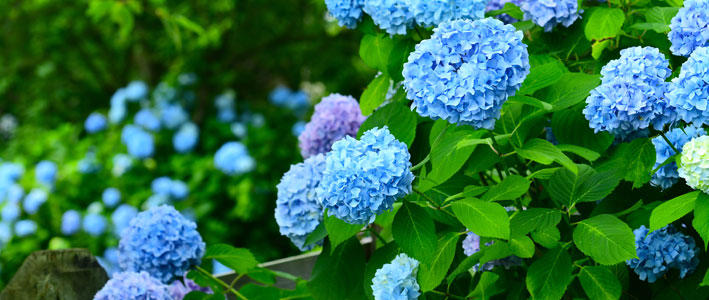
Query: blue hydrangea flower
(233, 159)
(239, 129)
(162, 242)
(392, 16)
(549, 13)
(24, 228)
(397, 280)
(226, 106)
(34, 200)
(117, 112)
(180, 288)
(11, 172)
(499, 4)
(363, 178)
(179, 190)
(131, 285)
(667, 176)
(10, 211)
(689, 93)
(121, 164)
(173, 115)
(185, 139)
(46, 172)
(95, 122)
(94, 224)
(694, 167)
(298, 128)
(5, 232)
(111, 197)
(71, 222)
(689, 29)
(466, 70)
(136, 90)
(335, 117)
(147, 119)
(122, 216)
(164, 93)
(429, 13)
(347, 12)
(138, 141)
(471, 245)
(156, 200)
(89, 164)
(161, 185)
(14, 193)
(662, 250)
(296, 101)
(298, 209)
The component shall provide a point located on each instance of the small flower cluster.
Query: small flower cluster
(133, 285)
(689, 29)
(226, 106)
(549, 14)
(392, 16)
(297, 101)
(347, 12)
(667, 175)
(662, 250)
(134, 91)
(335, 117)
(428, 13)
(689, 93)
(397, 279)
(186, 138)
(139, 142)
(165, 190)
(95, 122)
(694, 167)
(45, 172)
(233, 159)
(471, 245)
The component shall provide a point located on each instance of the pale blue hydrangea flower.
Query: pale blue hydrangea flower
(118, 111)
(10, 211)
(94, 224)
(5, 232)
(694, 167)
(430, 13)
(136, 90)
(95, 122)
(226, 106)
(549, 13)
(347, 12)
(24, 228)
(298, 128)
(14, 193)
(71, 222)
(297, 101)
(689, 93)
(161, 185)
(121, 164)
(89, 164)
(298, 209)
(233, 159)
(335, 117)
(185, 139)
(471, 245)
(179, 190)
(34, 200)
(162, 242)
(147, 119)
(689, 29)
(662, 250)
(111, 197)
(122, 216)
(138, 141)
(11, 172)
(46, 172)
(131, 285)
(186, 79)
(180, 288)
(499, 4)
(239, 129)
(363, 178)
(392, 16)
(397, 280)
(667, 176)
(173, 115)
(466, 70)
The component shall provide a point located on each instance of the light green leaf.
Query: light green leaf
(585, 153)
(606, 239)
(318, 234)
(238, 259)
(671, 210)
(571, 89)
(487, 286)
(568, 189)
(541, 76)
(375, 94)
(599, 283)
(598, 47)
(545, 153)
(548, 276)
(446, 157)
(374, 50)
(531, 102)
(487, 219)
(414, 231)
(548, 236)
(399, 118)
(339, 231)
(604, 23)
(534, 218)
(512, 187)
(431, 274)
(705, 281)
(522, 246)
(701, 217)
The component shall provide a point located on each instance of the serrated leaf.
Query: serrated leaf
(672, 210)
(599, 283)
(521, 245)
(548, 236)
(606, 239)
(701, 217)
(400, 120)
(339, 231)
(512, 187)
(548, 276)
(487, 219)
(414, 231)
(584, 153)
(588, 185)
(486, 287)
(604, 23)
(545, 153)
(431, 274)
(238, 259)
(375, 94)
(446, 157)
(634, 161)
(534, 218)
(541, 76)
(571, 127)
(571, 89)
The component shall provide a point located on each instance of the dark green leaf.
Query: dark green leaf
(531, 102)
(606, 239)
(534, 218)
(548, 236)
(705, 281)
(414, 232)
(512, 187)
(599, 283)
(238, 259)
(701, 217)
(257, 292)
(548, 276)
(634, 161)
(318, 234)
(542, 76)
(545, 153)
(568, 189)
(446, 157)
(338, 275)
(487, 286)
(586, 154)
(570, 90)
(399, 118)
(339, 231)
(197, 295)
(465, 265)
(487, 219)
(431, 274)
(375, 94)
(571, 127)
(671, 210)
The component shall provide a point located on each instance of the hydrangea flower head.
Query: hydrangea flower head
(10, 172)
(662, 250)
(179, 289)
(429, 13)
(121, 164)
(139, 142)
(111, 197)
(179, 190)
(689, 29)
(161, 185)
(46, 172)
(226, 106)
(132, 285)
(173, 115)
(14, 193)
(185, 139)
(347, 12)
(500, 4)
(471, 245)
(645, 64)
(397, 280)
(94, 224)
(282, 96)
(466, 70)
(392, 16)
(147, 119)
(122, 216)
(34, 200)
(694, 166)
(298, 210)
(136, 90)
(667, 176)
(162, 242)
(117, 112)
(363, 178)
(5, 232)
(95, 122)
(233, 159)
(335, 117)
(549, 13)
(689, 92)
(71, 222)
(10, 212)
(24, 228)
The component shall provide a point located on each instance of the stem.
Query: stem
(376, 234)
(416, 190)
(233, 282)
(669, 143)
(285, 275)
(222, 283)
(422, 163)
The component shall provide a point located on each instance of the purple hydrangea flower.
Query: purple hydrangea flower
(335, 117)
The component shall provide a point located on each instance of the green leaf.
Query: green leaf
(548, 236)
(257, 292)
(465, 265)
(588, 185)
(431, 274)
(534, 102)
(705, 281)
(571, 127)
(534, 218)
(338, 273)
(446, 157)
(318, 234)
(658, 19)
(522, 246)
(634, 161)
(599, 283)
(238, 259)
(598, 47)
(545, 153)
(375, 94)
(381, 256)
(606, 239)
(414, 231)
(197, 295)
(585, 153)
(487, 219)
(548, 276)
(487, 286)
(494, 252)
(512, 187)
(374, 51)
(604, 23)
(541, 76)
(204, 280)
(399, 118)
(571, 89)
(338, 230)
(509, 8)
(671, 210)
(701, 217)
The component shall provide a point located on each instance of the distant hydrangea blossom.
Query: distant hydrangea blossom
(298, 209)
(95, 122)
(11, 172)
(185, 139)
(298, 128)
(121, 164)
(117, 112)
(94, 224)
(179, 289)
(179, 190)
(5, 232)
(689, 29)
(71, 222)
(136, 90)
(466, 70)
(335, 117)
(430, 13)
(10, 212)
(139, 142)
(363, 178)
(24, 228)
(187, 79)
(34, 200)
(347, 12)
(667, 176)
(499, 4)
(694, 166)
(662, 250)
(162, 242)
(471, 245)
(13, 193)
(147, 119)
(173, 115)
(226, 106)
(397, 280)
(132, 285)
(161, 185)
(549, 13)
(109, 261)
(392, 16)
(122, 216)
(282, 96)
(689, 93)
(111, 197)
(46, 172)
(233, 159)
(89, 164)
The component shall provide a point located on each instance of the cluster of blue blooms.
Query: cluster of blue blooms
(662, 250)
(186, 138)
(689, 29)
(121, 164)
(499, 4)
(134, 91)
(335, 117)
(550, 13)
(233, 159)
(132, 285)
(45, 172)
(466, 70)
(89, 164)
(397, 279)
(139, 142)
(392, 16)
(689, 92)
(95, 122)
(226, 106)
(165, 190)
(347, 12)
(297, 101)
(430, 13)
(667, 176)
(471, 245)
(363, 178)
